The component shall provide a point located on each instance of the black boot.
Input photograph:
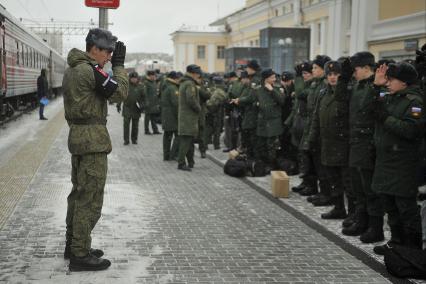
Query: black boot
(68, 253)
(397, 236)
(358, 227)
(184, 167)
(374, 232)
(412, 239)
(88, 263)
(323, 201)
(352, 214)
(338, 212)
(203, 155)
(298, 188)
(308, 191)
(314, 197)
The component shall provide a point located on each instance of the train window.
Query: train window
(17, 53)
(23, 54)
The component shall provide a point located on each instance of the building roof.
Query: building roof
(200, 29)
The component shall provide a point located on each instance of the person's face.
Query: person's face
(271, 79)
(101, 56)
(332, 78)
(152, 77)
(306, 76)
(317, 71)
(134, 80)
(196, 76)
(286, 83)
(362, 72)
(395, 85)
(245, 81)
(250, 71)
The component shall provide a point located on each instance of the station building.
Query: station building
(387, 28)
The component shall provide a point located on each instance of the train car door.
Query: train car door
(50, 67)
(3, 78)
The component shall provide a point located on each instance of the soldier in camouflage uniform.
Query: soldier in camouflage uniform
(398, 139)
(188, 116)
(86, 91)
(169, 115)
(232, 113)
(152, 103)
(132, 107)
(214, 117)
(204, 92)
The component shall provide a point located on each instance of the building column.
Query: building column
(313, 28)
(297, 16)
(323, 44)
(364, 14)
(211, 55)
(190, 47)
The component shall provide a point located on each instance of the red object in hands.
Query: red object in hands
(109, 4)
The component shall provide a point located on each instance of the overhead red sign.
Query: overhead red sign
(109, 4)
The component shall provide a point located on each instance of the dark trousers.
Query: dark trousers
(266, 149)
(248, 141)
(41, 110)
(170, 150)
(150, 117)
(201, 139)
(135, 128)
(313, 171)
(366, 199)
(403, 212)
(338, 179)
(186, 149)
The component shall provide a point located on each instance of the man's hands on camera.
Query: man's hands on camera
(380, 76)
(119, 55)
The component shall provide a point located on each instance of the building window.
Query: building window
(201, 52)
(220, 52)
(276, 12)
(251, 43)
(257, 42)
(319, 33)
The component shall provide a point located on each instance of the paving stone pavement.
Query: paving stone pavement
(160, 225)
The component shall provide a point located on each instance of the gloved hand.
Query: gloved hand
(298, 70)
(380, 112)
(347, 70)
(119, 54)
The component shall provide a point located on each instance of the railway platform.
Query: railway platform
(161, 225)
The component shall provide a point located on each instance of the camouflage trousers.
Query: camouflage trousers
(85, 201)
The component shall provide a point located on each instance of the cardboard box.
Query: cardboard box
(233, 154)
(280, 184)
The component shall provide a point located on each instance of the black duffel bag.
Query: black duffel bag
(235, 167)
(405, 262)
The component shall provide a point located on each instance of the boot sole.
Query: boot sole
(87, 268)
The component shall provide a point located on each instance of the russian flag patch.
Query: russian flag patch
(416, 111)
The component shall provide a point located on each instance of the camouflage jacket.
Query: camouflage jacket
(85, 109)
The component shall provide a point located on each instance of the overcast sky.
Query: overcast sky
(144, 25)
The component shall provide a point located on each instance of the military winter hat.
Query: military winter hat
(243, 74)
(102, 39)
(232, 74)
(267, 73)
(287, 76)
(332, 66)
(194, 69)
(217, 80)
(134, 74)
(320, 60)
(179, 74)
(385, 61)
(150, 73)
(362, 58)
(172, 75)
(402, 71)
(253, 65)
(306, 66)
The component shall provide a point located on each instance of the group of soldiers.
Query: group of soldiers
(354, 128)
